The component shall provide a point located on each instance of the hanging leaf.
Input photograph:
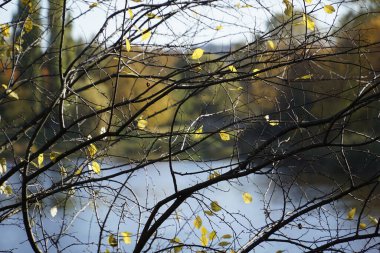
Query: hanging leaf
(224, 244)
(271, 44)
(212, 235)
(130, 12)
(112, 241)
(142, 123)
(204, 239)
(227, 236)
(92, 150)
(215, 206)
(28, 25)
(137, 1)
(274, 122)
(373, 220)
(176, 240)
(255, 71)
(3, 165)
(308, 22)
(308, 1)
(224, 136)
(53, 156)
(351, 214)
(305, 77)
(198, 133)
(146, 34)
(78, 171)
(95, 167)
(232, 68)
(197, 54)
(53, 211)
(247, 198)
(329, 9)
(40, 160)
(126, 237)
(213, 175)
(289, 8)
(5, 30)
(6, 189)
(93, 5)
(209, 213)
(107, 251)
(197, 222)
(219, 27)
(127, 45)
(362, 226)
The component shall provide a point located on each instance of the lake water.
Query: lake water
(146, 187)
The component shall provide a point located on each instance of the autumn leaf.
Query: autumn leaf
(197, 54)
(28, 25)
(53, 211)
(5, 30)
(213, 175)
(93, 5)
(305, 77)
(232, 68)
(112, 241)
(308, 1)
(373, 220)
(351, 214)
(95, 167)
(209, 213)
(198, 133)
(6, 189)
(3, 165)
(329, 9)
(92, 150)
(176, 240)
(308, 22)
(126, 237)
(127, 45)
(212, 235)
(197, 222)
(247, 198)
(289, 7)
(146, 34)
(362, 226)
(224, 136)
(215, 206)
(204, 239)
(142, 123)
(254, 71)
(224, 244)
(219, 27)
(271, 44)
(40, 160)
(130, 13)
(227, 236)
(53, 156)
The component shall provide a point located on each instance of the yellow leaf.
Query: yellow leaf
(329, 9)
(213, 175)
(151, 15)
(11, 94)
(203, 230)
(93, 5)
(223, 244)
(212, 235)
(274, 122)
(197, 54)
(271, 44)
(308, 1)
(204, 240)
(209, 213)
(40, 160)
(53, 211)
(28, 25)
(373, 220)
(127, 45)
(289, 7)
(227, 236)
(137, 1)
(215, 206)
(351, 214)
(176, 240)
(255, 71)
(126, 237)
(142, 123)
(95, 167)
(224, 136)
(197, 222)
(53, 156)
(5, 30)
(308, 22)
(219, 27)
(6, 189)
(78, 171)
(92, 150)
(3, 165)
(232, 68)
(198, 133)
(247, 198)
(130, 12)
(305, 77)
(145, 34)
(107, 251)
(362, 226)
(112, 241)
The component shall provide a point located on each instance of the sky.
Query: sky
(238, 24)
